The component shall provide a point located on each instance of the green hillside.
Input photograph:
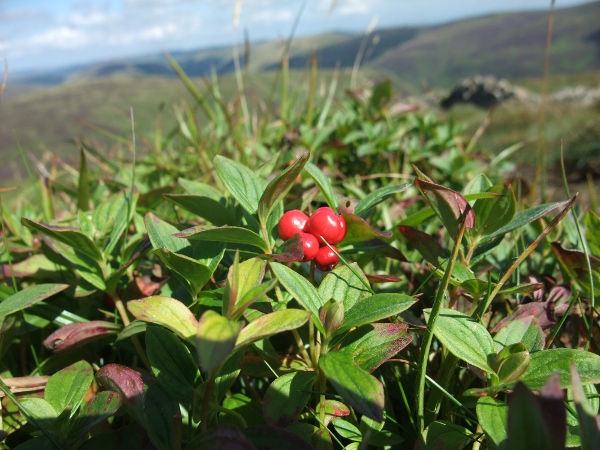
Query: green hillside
(506, 45)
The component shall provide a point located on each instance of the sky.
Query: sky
(37, 35)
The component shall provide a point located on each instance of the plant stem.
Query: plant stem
(428, 337)
(210, 384)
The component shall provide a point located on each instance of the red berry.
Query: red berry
(291, 223)
(310, 246)
(326, 224)
(326, 259)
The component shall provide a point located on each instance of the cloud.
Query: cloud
(61, 38)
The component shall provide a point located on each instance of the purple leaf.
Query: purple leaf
(76, 334)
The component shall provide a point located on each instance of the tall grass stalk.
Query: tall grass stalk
(360, 53)
(541, 169)
(584, 246)
(428, 337)
(238, 71)
(8, 255)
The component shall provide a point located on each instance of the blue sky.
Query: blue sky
(42, 34)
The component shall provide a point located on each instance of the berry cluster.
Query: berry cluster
(323, 225)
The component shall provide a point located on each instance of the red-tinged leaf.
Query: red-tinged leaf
(286, 397)
(278, 188)
(77, 334)
(290, 251)
(28, 267)
(552, 404)
(523, 329)
(29, 296)
(589, 423)
(358, 230)
(221, 437)
(449, 205)
(333, 409)
(165, 311)
(526, 427)
(535, 309)
(127, 383)
(375, 278)
(574, 265)
(372, 345)
(424, 243)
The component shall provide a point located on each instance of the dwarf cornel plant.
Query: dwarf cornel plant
(163, 309)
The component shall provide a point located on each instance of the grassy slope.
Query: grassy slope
(50, 119)
(506, 45)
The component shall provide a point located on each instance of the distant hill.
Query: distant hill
(507, 45)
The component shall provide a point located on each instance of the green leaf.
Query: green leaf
(377, 196)
(86, 267)
(301, 289)
(512, 362)
(465, 338)
(200, 189)
(68, 386)
(29, 296)
(357, 386)
(240, 182)
(40, 409)
(279, 186)
(544, 363)
(67, 235)
(588, 423)
(347, 430)
(192, 274)
(161, 234)
(376, 307)
(323, 183)
(165, 311)
(344, 286)
(236, 235)
(252, 296)
(215, 339)
(449, 205)
(494, 213)
(162, 418)
(373, 344)
(205, 207)
(523, 218)
(270, 324)
(358, 230)
(172, 364)
(444, 435)
(286, 397)
(119, 209)
(249, 275)
(492, 415)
